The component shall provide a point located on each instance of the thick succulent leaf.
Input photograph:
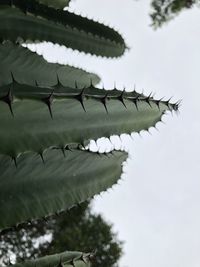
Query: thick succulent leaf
(28, 67)
(65, 259)
(58, 4)
(35, 118)
(67, 18)
(60, 27)
(41, 185)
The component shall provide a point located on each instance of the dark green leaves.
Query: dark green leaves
(34, 118)
(39, 23)
(30, 68)
(36, 186)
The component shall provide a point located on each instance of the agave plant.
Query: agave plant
(49, 112)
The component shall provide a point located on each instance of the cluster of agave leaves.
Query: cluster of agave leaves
(49, 113)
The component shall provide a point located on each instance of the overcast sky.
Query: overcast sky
(156, 209)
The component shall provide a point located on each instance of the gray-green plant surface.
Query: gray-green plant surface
(49, 113)
(65, 259)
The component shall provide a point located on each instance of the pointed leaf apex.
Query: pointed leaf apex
(8, 99)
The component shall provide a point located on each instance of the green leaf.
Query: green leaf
(67, 18)
(61, 27)
(65, 259)
(28, 67)
(41, 185)
(34, 118)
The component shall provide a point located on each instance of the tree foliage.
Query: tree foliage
(78, 229)
(165, 10)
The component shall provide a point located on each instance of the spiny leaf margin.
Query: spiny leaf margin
(64, 259)
(57, 182)
(28, 67)
(60, 116)
(23, 27)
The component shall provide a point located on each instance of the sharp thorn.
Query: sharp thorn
(14, 81)
(48, 101)
(15, 161)
(121, 98)
(42, 157)
(80, 98)
(157, 102)
(82, 104)
(50, 111)
(168, 102)
(135, 101)
(8, 99)
(148, 101)
(103, 100)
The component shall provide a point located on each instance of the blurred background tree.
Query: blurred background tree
(165, 10)
(78, 229)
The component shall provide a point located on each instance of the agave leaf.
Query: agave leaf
(30, 68)
(62, 28)
(66, 18)
(41, 185)
(35, 118)
(65, 259)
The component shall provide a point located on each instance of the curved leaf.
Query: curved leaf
(63, 28)
(65, 259)
(41, 185)
(28, 67)
(67, 19)
(43, 117)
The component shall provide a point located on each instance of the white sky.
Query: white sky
(155, 210)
